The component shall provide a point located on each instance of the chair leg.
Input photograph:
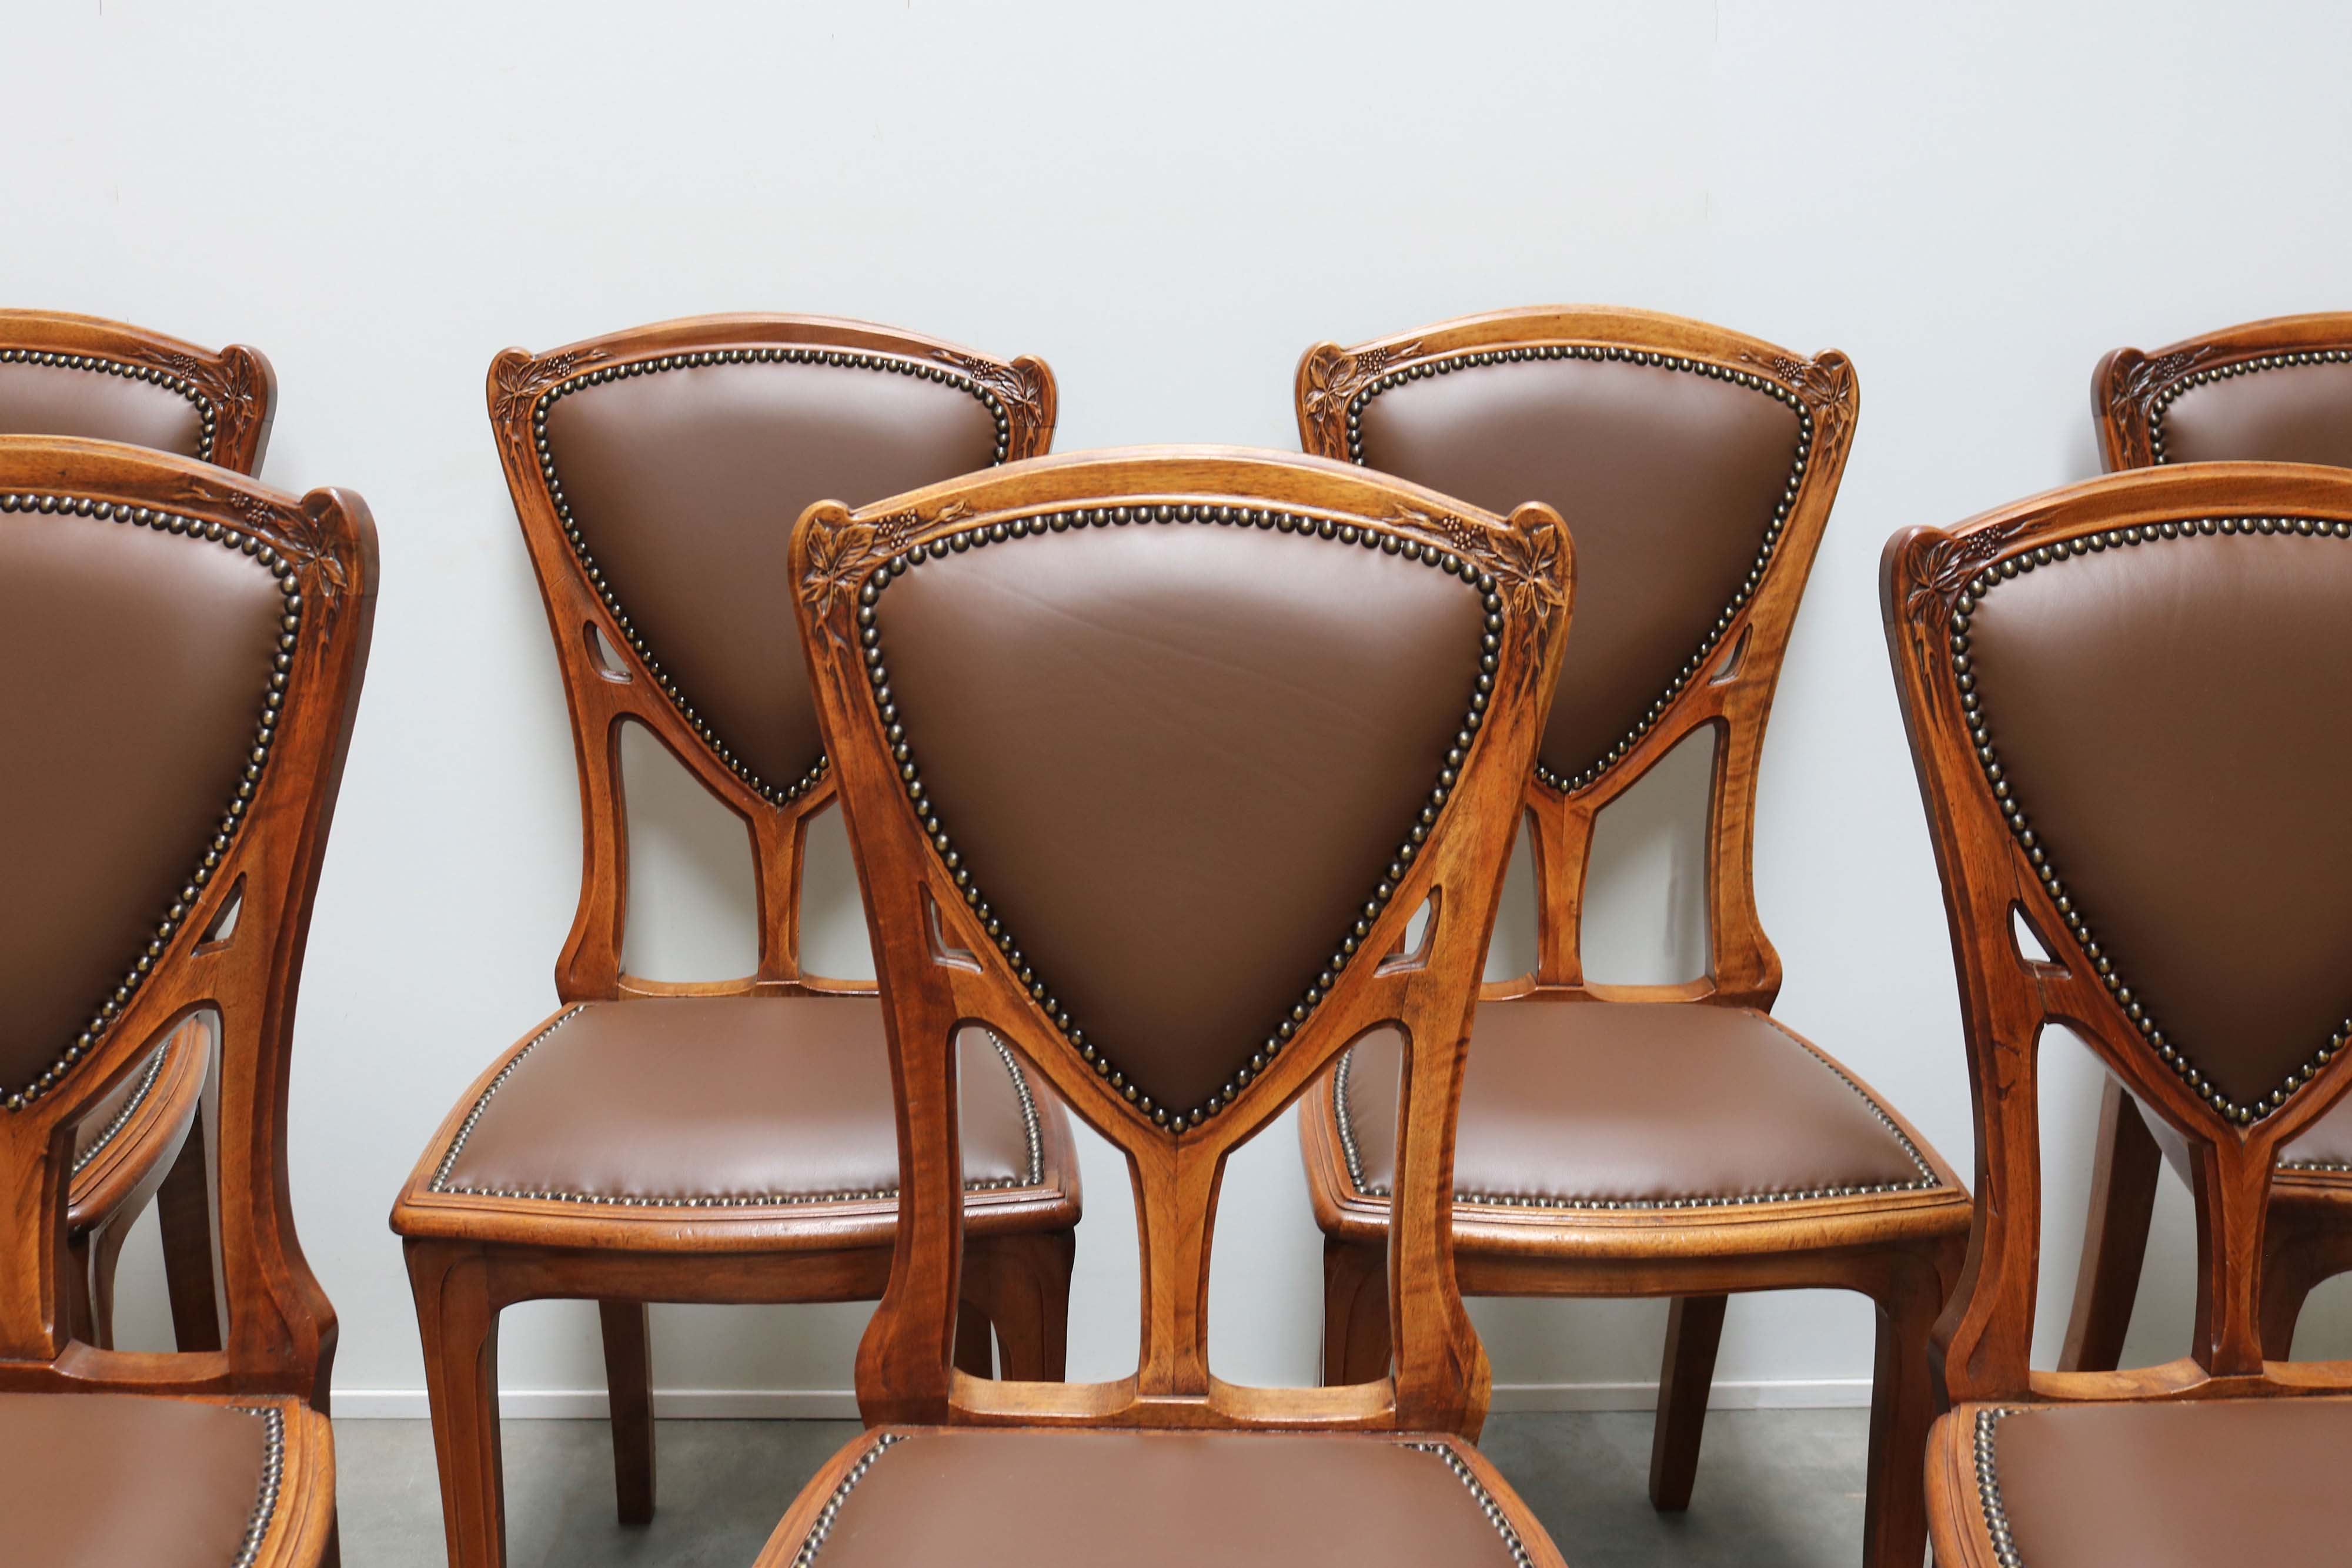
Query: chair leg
(2298, 1256)
(628, 1383)
(975, 1342)
(459, 1322)
(1356, 1347)
(1902, 1408)
(1694, 1330)
(1022, 1285)
(77, 1314)
(2115, 1237)
(183, 1213)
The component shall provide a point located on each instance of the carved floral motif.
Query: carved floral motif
(1019, 389)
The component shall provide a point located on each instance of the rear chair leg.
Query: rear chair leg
(1694, 1330)
(628, 1382)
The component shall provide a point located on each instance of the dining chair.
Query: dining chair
(148, 1138)
(2277, 390)
(1642, 1140)
(2122, 698)
(1148, 759)
(185, 650)
(724, 1141)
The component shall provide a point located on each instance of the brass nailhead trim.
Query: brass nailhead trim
(129, 1109)
(1486, 1499)
(440, 1182)
(1693, 665)
(2318, 1167)
(813, 1542)
(981, 535)
(1996, 1516)
(105, 366)
(273, 1476)
(2172, 394)
(1971, 594)
(257, 756)
(1927, 1182)
(892, 364)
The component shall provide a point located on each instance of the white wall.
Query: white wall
(1167, 204)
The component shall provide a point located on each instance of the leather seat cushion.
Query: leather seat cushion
(1638, 1104)
(99, 1480)
(734, 1098)
(2155, 1485)
(1159, 1500)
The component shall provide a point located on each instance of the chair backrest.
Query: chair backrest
(2269, 392)
(2125, 702)
(184, 649)
(1695, 467)
(656, 473)
(80, 375)
(1149, 758)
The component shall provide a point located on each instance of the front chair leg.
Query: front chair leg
(1902, 1408)
(2114, 1235)
(629, 1388)
(459, 1322)
(1694, 1330)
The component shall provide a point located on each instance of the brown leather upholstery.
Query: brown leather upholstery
(685, 484)
(2169, 715)
(132, 669)
(2184, 1484)
(57, 400)
(102, 1481)
(2282, 414)
(1585, 1104)
(1160, 1500)
(736, 1098)
(1151, 746)
(1667, 481)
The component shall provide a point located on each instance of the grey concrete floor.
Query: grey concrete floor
(1777, 1488)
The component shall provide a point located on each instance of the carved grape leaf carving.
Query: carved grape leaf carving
(521, 381)
(1940, 564)
(1334, 377)
(840, 555)
(1526, 566)
(1826, 385)
(1019, 389)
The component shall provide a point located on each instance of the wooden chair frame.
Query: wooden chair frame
(469, 1256)
(156, 1145)
(2309, 1239)
(1901, 1249)
(933, 982)
(281, 1340)
(1984, 1342)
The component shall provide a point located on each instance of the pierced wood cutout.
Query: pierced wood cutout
(281, 1329)
(521, 388)
(904, 1368)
